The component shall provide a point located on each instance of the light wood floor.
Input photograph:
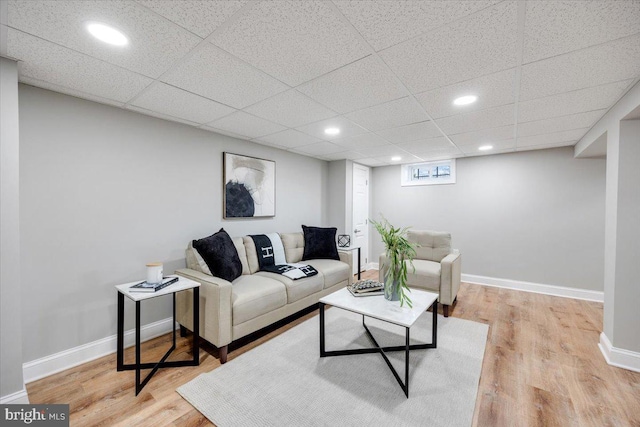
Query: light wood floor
(542, 367)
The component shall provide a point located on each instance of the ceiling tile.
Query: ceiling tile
(55, 64)
(245, 124)
(385, 150)
(480, 44)
(289, 138)
(346, 126)
(405, 158)
(67, 91)
(223, 132)
(413, 132)
(492, 91)
(199, 17)
(385, 23)
(426, 144)
(370, 162)
(391, 114)
(154, 43)
(441, 153)
(558, 124)
(183, 104)
(294, 41)
(160, 115)
(349, 155)
(556, 27)
(546, 146)
(611, 62)
(552, 138)
(595, 98)
(355, 86)
(485, 136)
(478, 120)
(498, 146)
(216, 75)
(361, 142)
(291, 109)
(321, 148)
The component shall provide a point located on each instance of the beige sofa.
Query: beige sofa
(232, 310)
(437, 268)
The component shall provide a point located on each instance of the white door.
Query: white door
(360, 232)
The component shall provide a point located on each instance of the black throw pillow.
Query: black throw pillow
(319, 243)
(220, 254)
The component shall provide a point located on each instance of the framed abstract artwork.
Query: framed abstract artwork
(249, 187)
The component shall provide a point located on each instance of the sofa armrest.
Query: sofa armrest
(215, 307)
(347, 257)
(451, 270)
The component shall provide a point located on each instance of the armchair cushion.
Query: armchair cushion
(433, 245)
(425, 276)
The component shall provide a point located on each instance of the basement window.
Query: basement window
(429, 173)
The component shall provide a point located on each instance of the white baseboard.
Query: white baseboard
(19, 397)
(619, 357)
(374, 266)
(538, 288)
(49, 365)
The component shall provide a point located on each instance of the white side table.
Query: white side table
(351, 249)
(181, 285)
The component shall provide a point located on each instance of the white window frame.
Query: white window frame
(407, 179)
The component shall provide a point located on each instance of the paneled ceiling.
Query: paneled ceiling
(385, 73)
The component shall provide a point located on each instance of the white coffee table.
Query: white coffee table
(379, 308)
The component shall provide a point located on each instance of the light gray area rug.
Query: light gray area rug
(284, 382)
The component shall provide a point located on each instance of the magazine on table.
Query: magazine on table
(153, 287)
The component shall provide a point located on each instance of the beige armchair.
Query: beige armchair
(437, 268)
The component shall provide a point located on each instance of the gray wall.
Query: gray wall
(534, 216)
(104, 191)
(10, 292)
(627, 269)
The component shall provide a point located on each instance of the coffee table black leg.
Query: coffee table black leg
(434, 324)
(321, 309)
(406, 365)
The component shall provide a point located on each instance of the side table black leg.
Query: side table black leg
(138, 388)
(196, 325)
(359, 264)
(120, 344)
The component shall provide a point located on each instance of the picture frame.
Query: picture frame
(249, 187)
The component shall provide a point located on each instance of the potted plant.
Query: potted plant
(398, 250)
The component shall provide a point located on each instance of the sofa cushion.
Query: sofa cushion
(254, 296)
(320, 243)
(333, 271)
(293, 246)
(297, 289)
(433, 245)
(426, 275)
(220, 255)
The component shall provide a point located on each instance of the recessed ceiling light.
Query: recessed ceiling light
(465, 100)
(107, 34)
(332, 131)
(485, 147)
(396, 158)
